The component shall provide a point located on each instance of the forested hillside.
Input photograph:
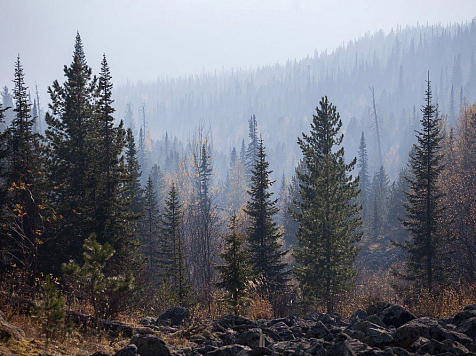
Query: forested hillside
(282, 95)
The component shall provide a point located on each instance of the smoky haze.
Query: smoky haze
(145, 39)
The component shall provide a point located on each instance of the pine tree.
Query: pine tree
(26, 212)
(150, 227)
(49, 312)
(243, 153)
(7, 103)
(252, 150)
(172, 253)
(133, 191)
(364, 178)
(426, 254)
(379, 196)
(71, 151)
(263, 235)
(102, 289)
(159, 183)
(236, 271)
(328, 214)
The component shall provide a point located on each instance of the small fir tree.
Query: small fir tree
(236, 270)
(264, 236)
(49, 311)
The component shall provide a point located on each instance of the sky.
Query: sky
(144, 39)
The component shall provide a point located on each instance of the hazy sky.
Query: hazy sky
(147, 38)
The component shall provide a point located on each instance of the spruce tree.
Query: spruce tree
(252, 150)
(101, 289)
(379, 196)
(364, 178)
(71, 125)
(26, 211)
(427, 253)
(49, 311)
(263, 235)
(328, 213)
(235, 272)
(172, 249)
(133, 190)
(149, 226)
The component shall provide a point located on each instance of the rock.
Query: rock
(148, 321)
(9, 331)
(299, 347)
(376, 320)
(229, 321)
(468, 327)
(359, 314)
(395, 315)
(177, 316)
(349, 348)
(461, 317)
(231, 350)
(130, 350)
(394, 351)
(317, 331)
(260, 351)
(376, 309)
(150, 345)
(254, 338)
(100, 353)
(283, 331)
(434, 347)
(407, 334)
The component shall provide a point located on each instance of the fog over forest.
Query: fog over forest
(205, 177)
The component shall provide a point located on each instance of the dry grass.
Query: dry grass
(75, 342)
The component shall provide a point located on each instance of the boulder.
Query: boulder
(359, 314)
(176, 315)
(468, 327)
(230, 321)
(395, 315)
(130, 350)
(231, 350)
(317, 331)
(299, 347)
(349, 348)
(254, 338)
(434, 347)
(283, 331)
(148, 321)
(150, 345)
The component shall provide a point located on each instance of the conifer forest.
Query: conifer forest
(320, 204)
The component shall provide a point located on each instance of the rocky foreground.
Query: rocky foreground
(384, 329)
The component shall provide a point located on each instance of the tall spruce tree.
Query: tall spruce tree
(252, 150)
(266, 251)
(427, 254)
(236, 271)
(328, 213)
(26, 213)
(150, 228)
(364, 178)
(379, 201)
(71, 125)
(172, 249)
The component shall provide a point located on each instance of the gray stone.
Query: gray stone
(231, 350)
(150, 345)
(130, 350)
(176, 315)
